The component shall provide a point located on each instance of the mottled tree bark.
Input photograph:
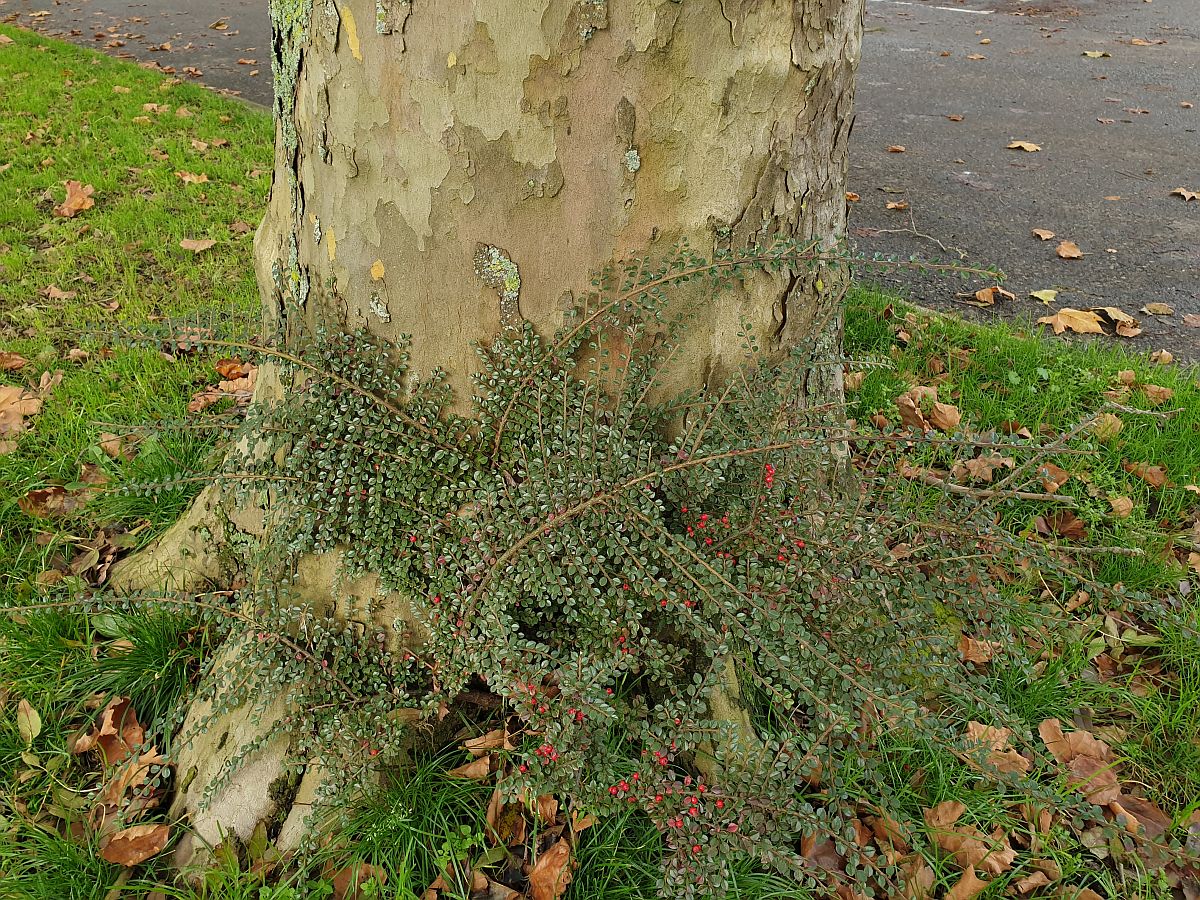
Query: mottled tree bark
(445, 169)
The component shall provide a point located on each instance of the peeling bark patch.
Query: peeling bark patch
(391, 16)
(593, 16)
(351, 33)
(379, 308)
(497, 270)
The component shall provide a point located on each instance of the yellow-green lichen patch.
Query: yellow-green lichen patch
(497, 270)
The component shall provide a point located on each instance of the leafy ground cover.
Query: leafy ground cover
(1125, 476)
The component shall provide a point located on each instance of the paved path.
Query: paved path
(1115, 133)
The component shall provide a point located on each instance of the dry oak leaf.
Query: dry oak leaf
(348, 882)
(1122, 507)
(997, 741)
(476, 769)
(967, 844)
(116, 732)
(1156, 394)
(981, 467)
(1043, 234)
(1031, 882)
(1053, 477)
(976, 651)
(1088, 759)
(1185, 194)
(1155, 476)
(1027, 146)
(136, 844)
(1124, 324)
(79, 198)
(231, 369)
(1141, 815)
(18, 404)
(1158, 309)
(987, 296)
(945, 417)
(1081, 321)
(11, 362)
(1062, 523)
(550, 875)
(1068, 250)
(967, 887)
(197, 246)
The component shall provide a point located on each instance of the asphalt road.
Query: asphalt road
(1118, 132)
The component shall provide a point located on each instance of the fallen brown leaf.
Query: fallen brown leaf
(997, 741)
(1185, 194)
(191, 177)
(967, 887)
(79, 198)
(1158, 309)
(197, 246)
(945, 417)
(550, 875)
(896, 148)
(476, 769)
(852, 197)
(1043, 234)
(136, 844)
(1155, 476)
(897, 204)
(1192, 320)
(1078, 320)
(1068, 250)
(1088, 759)
(1156, 394)
(1053, 477)
(1027, 146)
(976, 651)
(1162, 357)
(1122, 507)
(988, 295)
(1062, 523)
(348, 882)
(11, 362)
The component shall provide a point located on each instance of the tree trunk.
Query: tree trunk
(445, 170)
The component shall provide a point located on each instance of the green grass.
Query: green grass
(60, 119)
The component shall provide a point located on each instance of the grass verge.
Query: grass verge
(65, 282)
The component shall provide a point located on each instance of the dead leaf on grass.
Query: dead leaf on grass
(197, 246)
(1062, 523)
(981, 467)
(1080, 321)
(1122, 507)
(1155, 476)
(998, 742)
(478, 768)
(1157, 395)
(1162, 357)
(79, 198)
(945, 417)
(967, 887)
(191, 177)
(1089, 761)
(136, 844)
(987, 296)
(550, 875)
(976, 651)
(1053, 477)
(11, 362)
